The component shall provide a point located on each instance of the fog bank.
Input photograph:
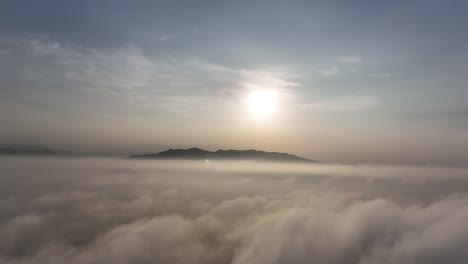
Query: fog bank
(55, 210)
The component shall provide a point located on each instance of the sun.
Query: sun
(262, 102)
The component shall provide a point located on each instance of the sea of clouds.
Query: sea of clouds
(80, 211)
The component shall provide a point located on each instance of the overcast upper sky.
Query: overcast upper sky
(380, 81)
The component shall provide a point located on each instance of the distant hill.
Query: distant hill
(200, 154)
(19, 149)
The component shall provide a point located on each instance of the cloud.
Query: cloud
(365, 232)
(331, 72)
(275, 77)
(80, 77)
(83, 78)
(74, 65)
(126, 68)
(166, 37)
(344, 104)
(354, 66)
(184, 213)
(120, 70)
(382, 74)
(43, 47)
(282, 79)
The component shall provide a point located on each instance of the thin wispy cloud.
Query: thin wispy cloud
(271, 78)
(281, 78)
(167, 37)
(330, 72)
(147, 84)
(382, 74)
(354, 66)
(129, 69)
(344, 104)
(126, 68)
(343, 66)
(44, 47)
(350, 59)
(75, 65)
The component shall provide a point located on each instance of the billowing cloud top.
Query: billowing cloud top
(114, 211)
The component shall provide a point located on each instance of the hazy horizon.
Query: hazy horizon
(127, 153)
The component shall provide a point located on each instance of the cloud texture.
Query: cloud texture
(96, 211)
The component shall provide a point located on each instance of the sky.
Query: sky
(352, 81)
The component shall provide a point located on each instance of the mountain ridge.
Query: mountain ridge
(231, 154)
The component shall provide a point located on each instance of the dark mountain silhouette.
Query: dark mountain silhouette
(200, 154)
(19, 149)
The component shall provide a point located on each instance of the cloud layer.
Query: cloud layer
(95, 211)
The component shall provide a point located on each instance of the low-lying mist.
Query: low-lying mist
(79, 211)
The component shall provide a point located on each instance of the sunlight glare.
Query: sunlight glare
(262, 102)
